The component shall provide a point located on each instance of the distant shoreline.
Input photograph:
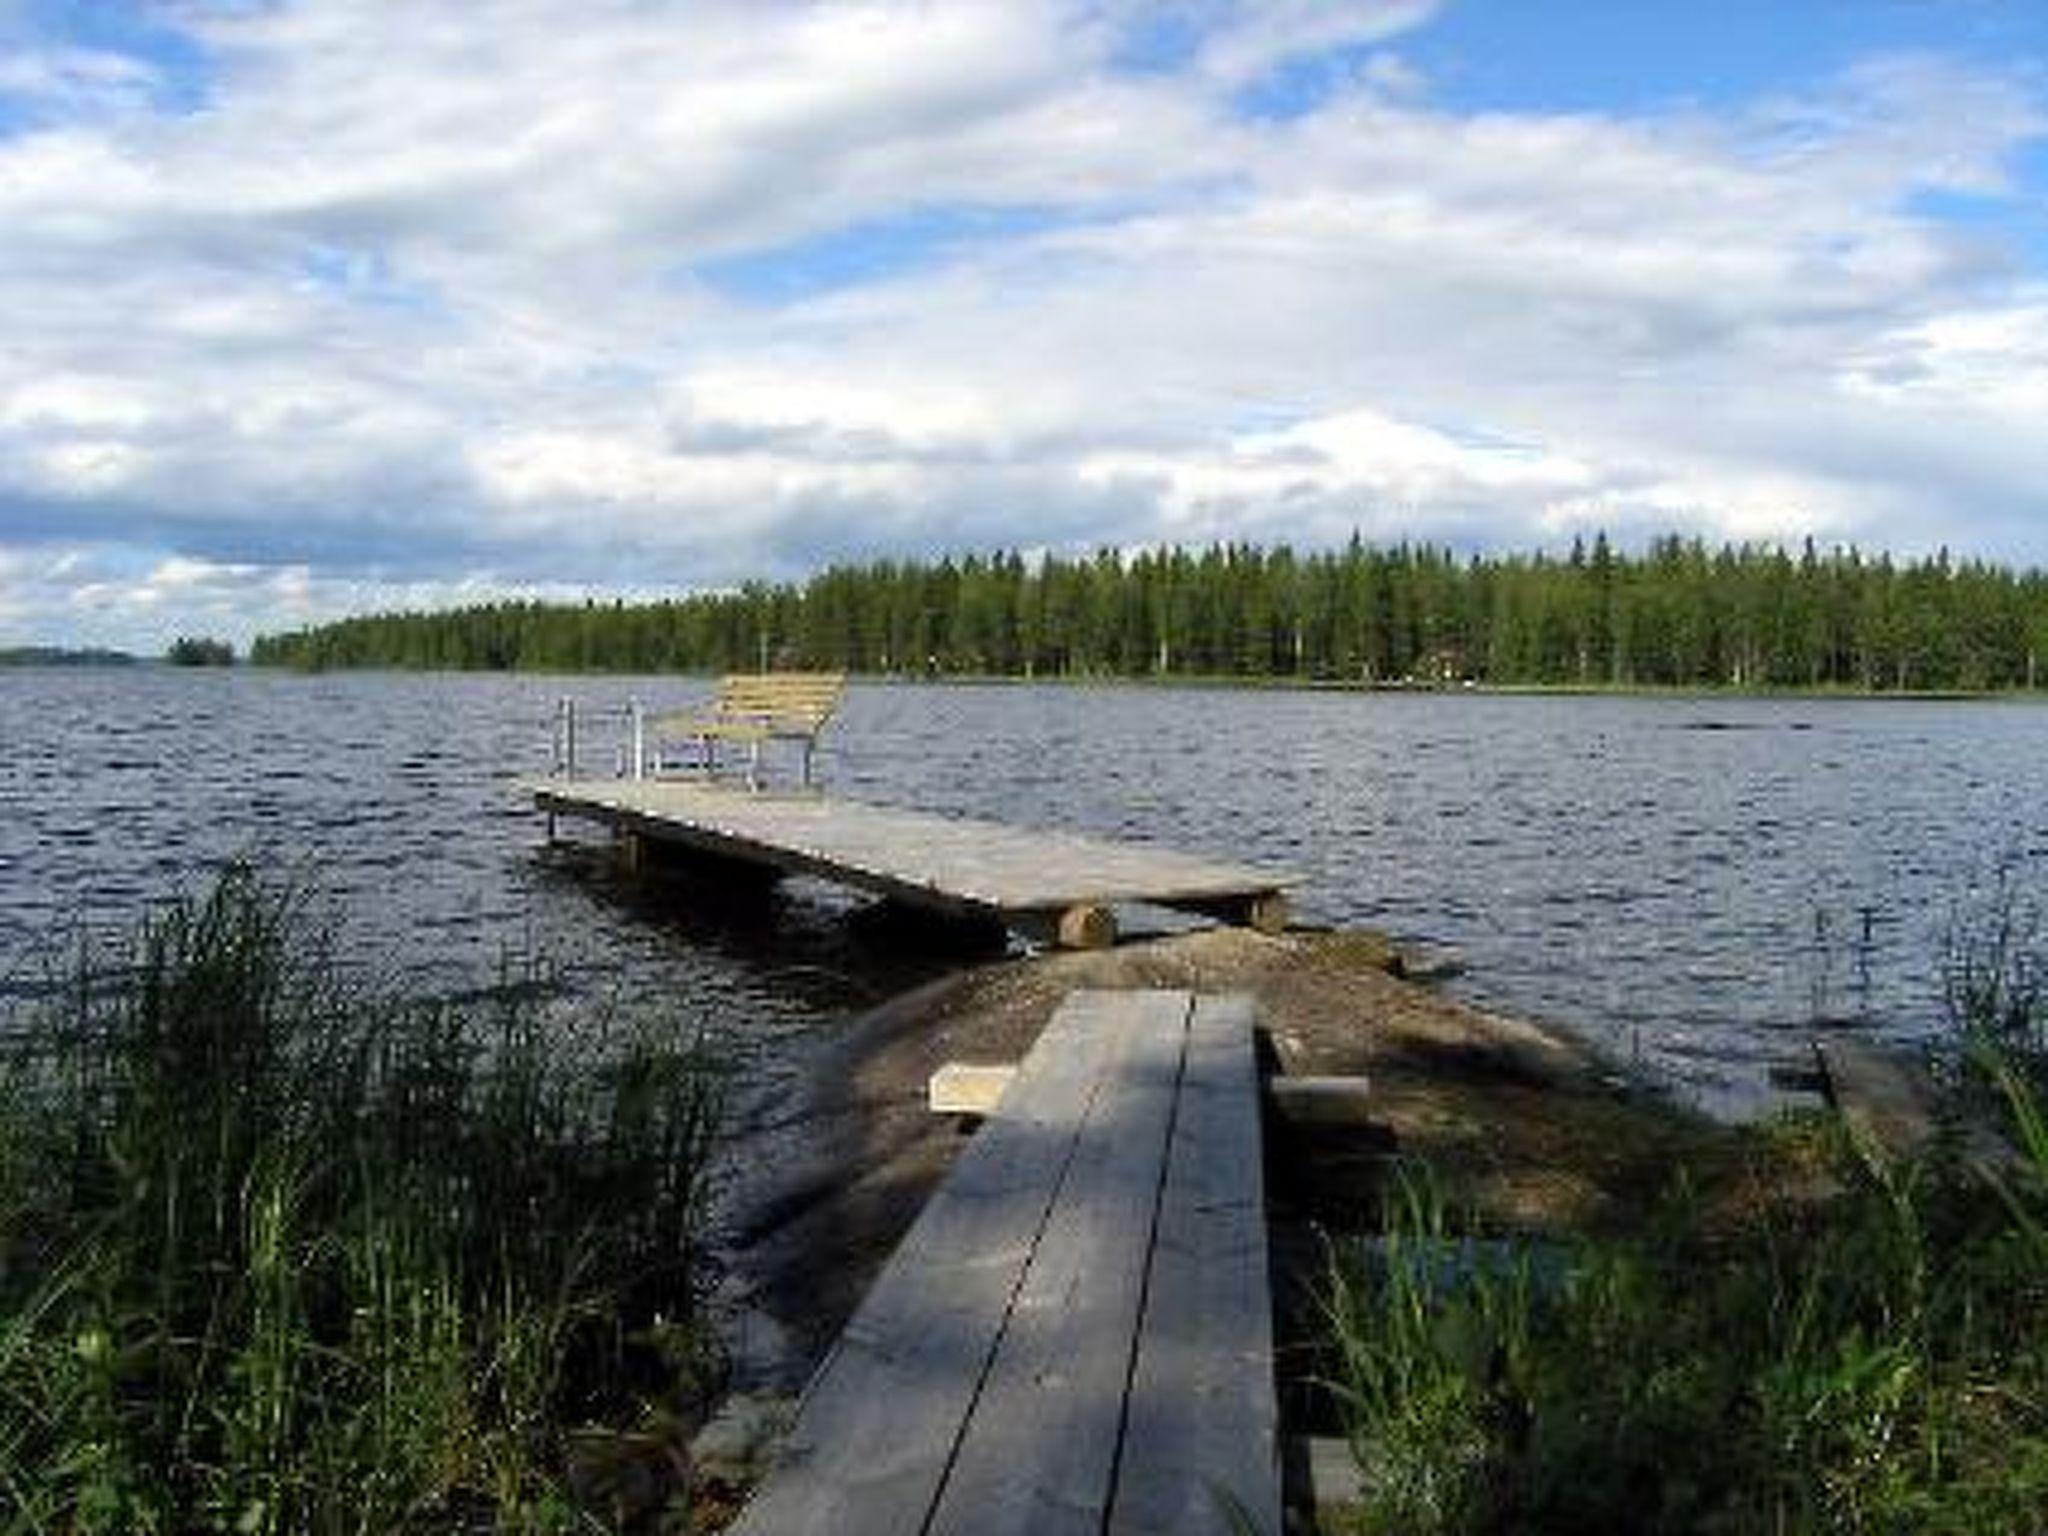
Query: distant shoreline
(64, 656)
(1224, 681)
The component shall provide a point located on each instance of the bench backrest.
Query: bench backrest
(795, 698)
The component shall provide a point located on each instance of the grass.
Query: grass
(1866, 1352)
(281, 1252)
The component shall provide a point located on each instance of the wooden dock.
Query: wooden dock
(1051, 886)
(1076, 1334)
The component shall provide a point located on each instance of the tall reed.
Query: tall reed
(282, 1251)
(1875, 1359)
(1877, 1363)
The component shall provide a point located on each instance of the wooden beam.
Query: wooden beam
(1087, 925)
(1200, 1452)
(1038, 1455)
(1333, 1101)
(879, 1423)
(1267, 911)
(962, 1088)
(1881, 1098)
(1026, 877)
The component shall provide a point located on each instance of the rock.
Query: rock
(739, 1444)
(1367, 947)
(635, 1480)
(1426, 964)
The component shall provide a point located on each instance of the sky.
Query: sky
(311, 307)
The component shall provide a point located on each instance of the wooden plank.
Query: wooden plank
(1881, 1099)
(1335, 1484)
(1038, 1454)
(910, 856)
(1320, 1100)
(1267, 911)
(966, 1088)
(1200, 1446)
(879, 1423)
(963, 1088)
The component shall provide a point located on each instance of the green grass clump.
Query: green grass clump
(1874, 1360)
(280, 1252)
(1863, 1349)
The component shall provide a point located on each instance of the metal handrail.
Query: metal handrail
(567, 729)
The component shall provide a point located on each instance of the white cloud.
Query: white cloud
(419, 303)
(1262, 34)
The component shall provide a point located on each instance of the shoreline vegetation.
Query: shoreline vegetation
(281, 1252)
(1526, 1294)
(199, 651)
(1678, 615)
(1817, 1333)
(62, 656)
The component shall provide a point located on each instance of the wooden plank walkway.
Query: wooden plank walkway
(1076, 1334)
(1049, 884)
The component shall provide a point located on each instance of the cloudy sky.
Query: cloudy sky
(312, 306)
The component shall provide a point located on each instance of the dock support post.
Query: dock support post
(1263, 911)
(1087, 926)
(639, 718)
(1267, 912)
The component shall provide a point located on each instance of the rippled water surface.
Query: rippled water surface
(1693, 880)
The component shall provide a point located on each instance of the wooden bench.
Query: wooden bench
(1076, 1334)
(756, 708)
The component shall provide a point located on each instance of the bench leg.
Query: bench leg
(810, 746)
(754, 766)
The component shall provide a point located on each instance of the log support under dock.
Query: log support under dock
(1054, 887)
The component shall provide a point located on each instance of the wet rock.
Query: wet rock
(1427, 963)
(1367, 948)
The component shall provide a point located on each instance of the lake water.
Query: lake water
(1690, 881)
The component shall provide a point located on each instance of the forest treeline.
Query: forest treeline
(1676, 614)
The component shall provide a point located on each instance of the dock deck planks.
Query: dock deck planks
(1076, 1333)
(953, 864)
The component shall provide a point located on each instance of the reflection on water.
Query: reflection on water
(1690, 879)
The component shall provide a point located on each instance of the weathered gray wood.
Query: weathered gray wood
(879, 1423)
(1336, 1486)
(1320, 1100)
(956, 866)
(1039, 1452)
(1878, 1095)
(1267, 911)
(964, 1088)
(1200, 1443)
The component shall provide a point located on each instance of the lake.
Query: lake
(1690, 881)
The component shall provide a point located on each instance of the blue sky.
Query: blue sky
(1615, 56)
(314, 305)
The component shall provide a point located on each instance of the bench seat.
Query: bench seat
(756, 708)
